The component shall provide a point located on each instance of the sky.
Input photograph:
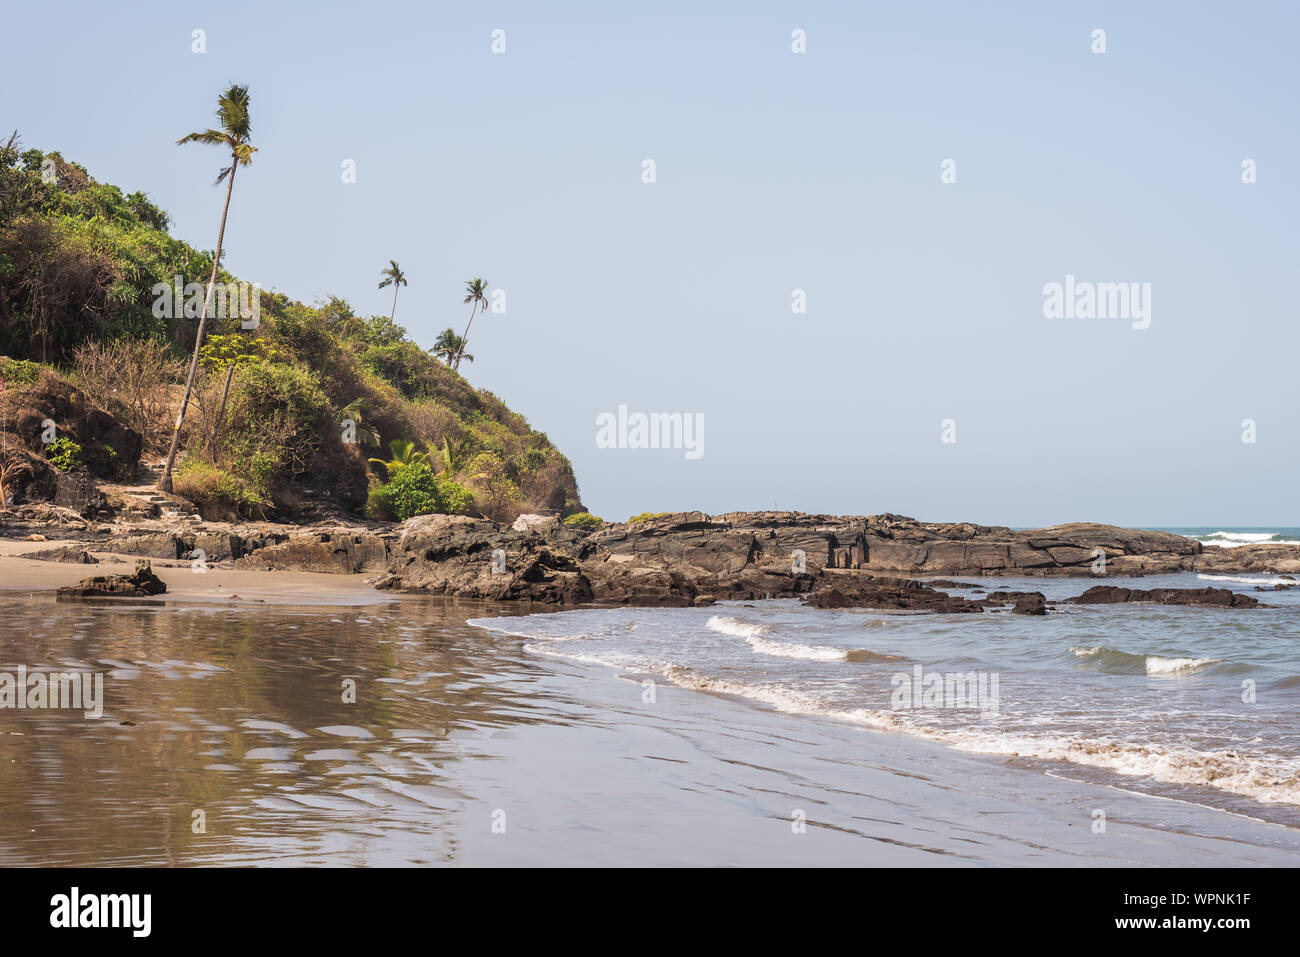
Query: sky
(774, 171)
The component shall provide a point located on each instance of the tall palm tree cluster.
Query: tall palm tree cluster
(232, 133)
(449, 347)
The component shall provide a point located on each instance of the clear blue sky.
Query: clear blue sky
(775, 171)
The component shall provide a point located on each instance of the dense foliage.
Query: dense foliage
(300, 402)
(414, 490)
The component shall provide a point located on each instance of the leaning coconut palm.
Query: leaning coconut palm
(393, 276)
(449, 346)
(475, 295)
(404, 453)
(232, 111)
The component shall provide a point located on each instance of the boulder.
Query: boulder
(142, 583)
(1023, 602)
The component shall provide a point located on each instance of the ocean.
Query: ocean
(1191, 704)
(1232, 537)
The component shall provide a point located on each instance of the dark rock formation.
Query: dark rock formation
(1209, 597)
(69, 554)
(1023, 602)
(466, 557)
(889, 594)
(345, 550)
(219, 546)
(691, 558)
(79, 492)
(899, 544)
(1248, 559)
(141, 583)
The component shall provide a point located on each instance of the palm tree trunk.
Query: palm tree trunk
(221, 410)
(464, 340)
(165, 482)
(390, 318)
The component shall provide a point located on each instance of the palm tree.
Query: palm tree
(354, 410)
(455, 454)
(404, 453)
(393, 276)
(475, 296)
(232, 112)
(449, 346)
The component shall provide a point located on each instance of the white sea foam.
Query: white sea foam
(495, 624)
(1267, 780)
(736, 627)
(1247, 772)
(1158, 665)
(790, 649)
(1237, 539)
(1248, 579)
(1155, 665)
(754, 636)
(1273, 781)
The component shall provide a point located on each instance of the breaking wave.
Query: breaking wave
(1113, 661)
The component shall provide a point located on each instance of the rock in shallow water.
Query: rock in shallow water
(139, 584)
(1208, 597)
(890, 593)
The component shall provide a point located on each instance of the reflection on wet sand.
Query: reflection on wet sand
(240, 714)
(228, 738)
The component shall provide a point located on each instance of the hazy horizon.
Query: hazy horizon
(775, 171)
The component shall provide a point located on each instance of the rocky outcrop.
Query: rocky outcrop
(1249, 559)
(899, 544)
(69, 554)
(79, 492)
(216, 544)
(458, 556)
(889, 594)
(142, 583)
(340, 550)
(1208, 597)
(691, 558)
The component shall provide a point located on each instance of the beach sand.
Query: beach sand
(217, 583)
(465, 748)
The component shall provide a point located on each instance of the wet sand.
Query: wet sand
(463, 748)
(217, 583)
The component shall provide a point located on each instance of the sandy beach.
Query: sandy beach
(217, 583)
(463, 746)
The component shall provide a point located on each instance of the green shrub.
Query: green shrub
(456, 498)
(646, 516)
(584, 520)
(219, 494)
(17, 373)
(64, 454)
(414, 490)
(273, 421)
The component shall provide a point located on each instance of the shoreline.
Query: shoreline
(417, 775)
(680, 559)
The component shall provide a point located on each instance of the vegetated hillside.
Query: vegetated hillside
(315, 392)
